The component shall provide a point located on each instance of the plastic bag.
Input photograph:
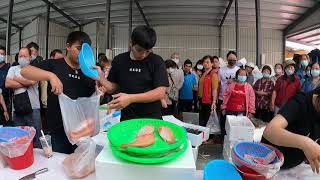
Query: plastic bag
(213, 123)
(18, 146)
(81, 163)
(81, 121)
(80, 117)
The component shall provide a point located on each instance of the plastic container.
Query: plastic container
(126, 131)
(9, 133)
(252, 148)
(87, 60)
(220, 170)
(21, 162)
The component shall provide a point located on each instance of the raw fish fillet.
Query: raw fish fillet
(166, 134)
(141, 141)
(262, 160)
(148, 129)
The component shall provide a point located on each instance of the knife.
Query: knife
(33, 175)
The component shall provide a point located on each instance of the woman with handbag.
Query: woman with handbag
(208, 90)
(169, 102)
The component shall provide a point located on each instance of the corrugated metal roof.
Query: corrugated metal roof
(275, 14)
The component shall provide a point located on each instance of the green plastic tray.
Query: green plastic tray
(158, 160)
(126, 131)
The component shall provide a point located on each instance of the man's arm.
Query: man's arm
(12, 84)
(36, 74)
(122, 100)
(24, 82)
(110, 87)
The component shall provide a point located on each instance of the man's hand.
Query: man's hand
(100, 73)
(312, 151)
(56, 84)
(6, 115)
(120, 101)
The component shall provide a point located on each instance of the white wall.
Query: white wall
(36, 32)
(2, 42)
(194, 42)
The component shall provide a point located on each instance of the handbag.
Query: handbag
(173, 92)
(22, 104)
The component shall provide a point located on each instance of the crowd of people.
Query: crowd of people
(233, 89)
(143, 85)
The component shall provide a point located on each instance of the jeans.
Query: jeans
(32, 119)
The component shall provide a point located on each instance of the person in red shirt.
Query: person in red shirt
(238, 99)
(286, 86)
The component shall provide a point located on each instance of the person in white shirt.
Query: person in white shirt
(22, 86)
(226, 75)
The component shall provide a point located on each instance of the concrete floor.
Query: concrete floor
(208, 152)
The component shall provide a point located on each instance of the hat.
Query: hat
(250, 64)
(289, 62)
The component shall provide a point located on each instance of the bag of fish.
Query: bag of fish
(81, 122)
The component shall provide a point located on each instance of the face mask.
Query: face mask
(23, 62)
(200, 67)
(176, 60)
(315, 72)
(242, 78)
(232, 62)
(289, 72)
(266, 75)
(304, 63)
(33, 57)
(279, 71)
(2, 58)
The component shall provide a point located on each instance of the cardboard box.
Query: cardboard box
(110, 167)
(239, 128)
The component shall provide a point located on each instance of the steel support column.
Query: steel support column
(237, 25)
(47, 31)
(9, 25)
(20, 38)
(130, 21)
(220, 41)
(107, 24)
(258, 34)
(142, 13)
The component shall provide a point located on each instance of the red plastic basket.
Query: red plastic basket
(21, 162)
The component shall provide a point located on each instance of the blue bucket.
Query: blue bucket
(220, 170)
(87, 60)
(9, 133)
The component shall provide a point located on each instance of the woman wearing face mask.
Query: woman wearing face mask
(313, 82)
(208, 90)
(294, 130)
(197, 71)
(169, 102)
(286, 86)
(238, 99)
(263, 89)
(278, 68)
(301, 72)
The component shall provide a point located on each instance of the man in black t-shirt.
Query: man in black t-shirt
(64, 76)
(295, 129)
(140, 77)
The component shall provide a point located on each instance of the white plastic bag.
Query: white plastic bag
(80, 117)
(81, 122)
(81, 163)
(213, 123)
(2, 162)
